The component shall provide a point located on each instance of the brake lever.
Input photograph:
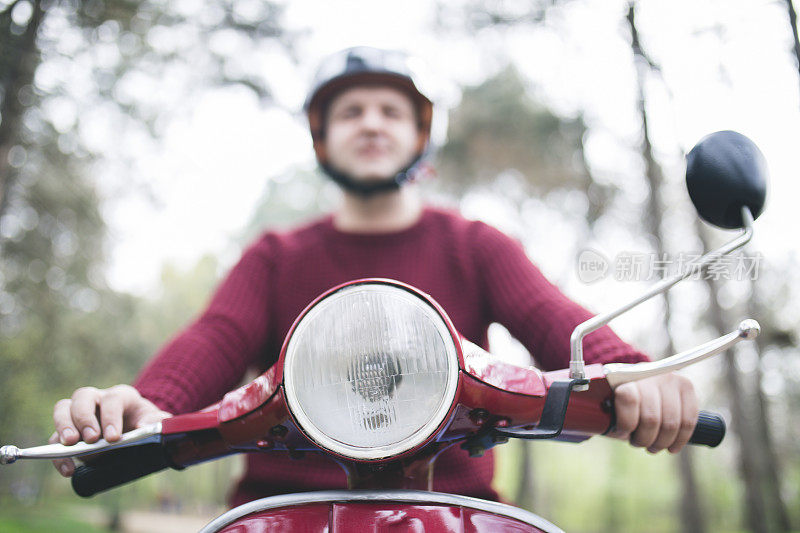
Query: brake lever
(619, 373)
(143, 435)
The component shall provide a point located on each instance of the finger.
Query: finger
(649, 417)
(689, 412)
(84, 413)
(66, 467)
(66, 431)
(111, 411)
(152, 417)
(670, 416)
(136, 411)
(626, 407)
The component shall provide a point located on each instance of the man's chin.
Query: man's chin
(374, 178)
(376, 175)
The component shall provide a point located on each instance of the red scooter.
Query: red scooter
(374, 374)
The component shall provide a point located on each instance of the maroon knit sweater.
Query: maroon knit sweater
(477, 274)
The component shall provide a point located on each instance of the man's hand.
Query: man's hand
(94, 413)
(656, 413)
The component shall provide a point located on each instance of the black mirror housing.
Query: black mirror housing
(724, 172)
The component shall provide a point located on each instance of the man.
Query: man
(371, 126)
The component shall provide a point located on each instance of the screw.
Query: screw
(476, 451)
(479, 416)
(278, 431)
(499, 439)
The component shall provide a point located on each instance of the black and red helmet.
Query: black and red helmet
(364, 65)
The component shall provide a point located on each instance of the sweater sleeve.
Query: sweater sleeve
(208, 358)
(534, 311)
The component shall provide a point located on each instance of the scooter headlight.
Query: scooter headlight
(370, 371)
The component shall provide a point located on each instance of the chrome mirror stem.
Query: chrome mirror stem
(577, 365)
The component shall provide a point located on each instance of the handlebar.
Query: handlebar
(709, 431)
(118, 467)
(195, 437)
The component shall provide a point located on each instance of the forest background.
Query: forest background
(142, 144)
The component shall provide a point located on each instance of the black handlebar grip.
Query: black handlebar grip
(118, 467)
(709, 431)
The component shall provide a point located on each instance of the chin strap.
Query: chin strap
(370, 188)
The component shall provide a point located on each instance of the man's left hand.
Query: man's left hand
(656, 413)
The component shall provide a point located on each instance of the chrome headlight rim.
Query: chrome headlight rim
(421, 436)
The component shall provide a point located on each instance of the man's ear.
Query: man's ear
(322, 152)
(422, 140)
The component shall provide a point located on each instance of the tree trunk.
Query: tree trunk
(691, 515)
(526, 492)
(691, 506)
(613, 519)
(754, 507)
(20, 74)
(793, 23)
(772, 470)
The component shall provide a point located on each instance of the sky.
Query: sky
(725, 65)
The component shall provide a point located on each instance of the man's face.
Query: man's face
(371, 132)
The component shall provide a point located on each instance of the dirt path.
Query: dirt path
(152, 521)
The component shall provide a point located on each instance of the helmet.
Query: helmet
(358, 66)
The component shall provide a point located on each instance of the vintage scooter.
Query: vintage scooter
(374, 374)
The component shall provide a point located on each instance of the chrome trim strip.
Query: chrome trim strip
(420, 497)
(9, 454)
(576, 364)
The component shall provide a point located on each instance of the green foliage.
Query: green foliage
(31, 523)
(51, 291)
(290, 199)
(498, 127)
(67, 69)
(619, 488)
(183, 294)
(504, 142)
(477, 15)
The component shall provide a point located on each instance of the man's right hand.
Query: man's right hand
(93, 413)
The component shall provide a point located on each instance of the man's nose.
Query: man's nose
(372, 119)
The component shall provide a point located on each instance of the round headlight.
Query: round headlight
(370, 371)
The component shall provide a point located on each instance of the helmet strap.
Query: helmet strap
(371, 188)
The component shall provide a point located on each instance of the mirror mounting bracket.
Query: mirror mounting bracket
(576, 363)
(550, 424)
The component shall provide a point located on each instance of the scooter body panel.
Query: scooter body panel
(398, 511)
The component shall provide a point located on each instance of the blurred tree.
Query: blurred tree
(59, 323)
(796, 39)
(498, 127)
(475, 15)
(502, 140)
(775, 336)
(51, 247)
(77, 80)
(495, 19)
(183, 294)
(691, 504)
(105, 67)
(19, 57)
(291, 198)
(755, 513)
